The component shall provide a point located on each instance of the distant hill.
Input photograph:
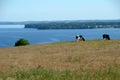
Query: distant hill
(67, 24)
(76, 24)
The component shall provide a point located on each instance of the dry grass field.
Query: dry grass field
(76, 57)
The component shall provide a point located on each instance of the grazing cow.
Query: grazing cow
(80, 38)
(106, 37)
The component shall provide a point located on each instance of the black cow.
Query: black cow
(106, 37)
(80, 38)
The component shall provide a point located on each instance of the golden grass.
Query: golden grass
(88, 55)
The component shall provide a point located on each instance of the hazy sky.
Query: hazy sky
(42, 10)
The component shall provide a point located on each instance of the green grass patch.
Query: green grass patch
(111, 73)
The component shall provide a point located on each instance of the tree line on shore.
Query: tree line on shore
(73, 25)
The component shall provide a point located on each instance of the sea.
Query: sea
(8, 36)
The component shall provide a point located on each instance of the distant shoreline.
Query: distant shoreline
(74, 24)
(36, 22)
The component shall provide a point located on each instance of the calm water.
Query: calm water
(9, 36)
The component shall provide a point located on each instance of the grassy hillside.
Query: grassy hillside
(89, 60)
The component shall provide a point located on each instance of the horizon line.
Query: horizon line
(62, 20)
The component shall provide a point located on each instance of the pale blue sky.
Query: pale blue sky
(44, 10)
